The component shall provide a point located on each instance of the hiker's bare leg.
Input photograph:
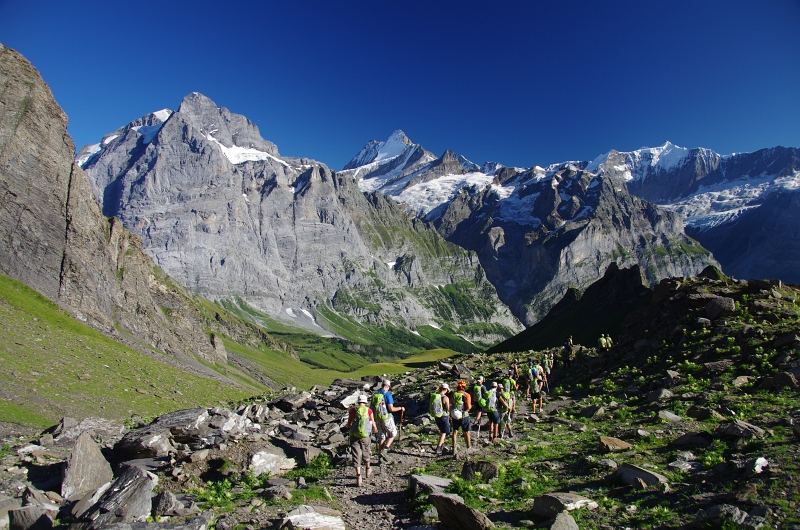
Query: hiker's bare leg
(467, 438)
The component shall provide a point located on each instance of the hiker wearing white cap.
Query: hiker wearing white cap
(439, 409)
(361, 424)
(382, 405)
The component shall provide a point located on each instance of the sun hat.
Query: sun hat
(480, 379)
(363, 398)
(444, 386)
(494, 384)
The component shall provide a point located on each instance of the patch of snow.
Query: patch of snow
(307, 313)
(239, 155)
(415, 332)
(93, 150)
(245, 197)
(433, 325)
(426, 196)
(108, 139)
(391, 264)
(392, 147)
(163, 114)
(719, 203)
(290, 312)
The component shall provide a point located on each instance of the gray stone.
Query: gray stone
(68, 430)
(90, 499)
(29, 518)
(313, 518)
(741, 381)
(291, 402)
(639, 477)
(717, 516)
(720, 307)
(592, 411)
(718, 366)
(127, 500)
(778, 381)
(703, 413)
(147, 442)
(6, 504)
(86, 469)
(742, 429)
(611, 444)
(427, 484)
(787, 339)
(453, 513)
(302, 453)
(277, 492)
(270, 459)
(550, 504)
(166, 504)
(607, 463)
(564, 521)
(668, 416)
(659, 395)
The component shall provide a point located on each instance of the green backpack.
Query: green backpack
(378, 406)
(436, 408)
(361, 427)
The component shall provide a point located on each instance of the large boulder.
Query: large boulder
(85, 470)
(427, 484)
(453, 513)
(128, 500)
(309, 518)
(29, 518)
(720, 307)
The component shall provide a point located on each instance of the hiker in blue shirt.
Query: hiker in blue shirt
(383, 406)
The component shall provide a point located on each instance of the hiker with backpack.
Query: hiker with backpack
(439, 410)
(361, 424)
(507, 408)
(478, 402)
(536, 393)
(459, 412)
(382, 406)
(601, 342)
(493, 413)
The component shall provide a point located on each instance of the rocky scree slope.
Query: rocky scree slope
(219, 209)
(676, 427)
(537, 231)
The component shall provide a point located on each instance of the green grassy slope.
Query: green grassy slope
(52, 365)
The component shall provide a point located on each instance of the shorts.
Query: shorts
(536, 395)
(494, 416)
(462, 424)
(386, 428)
(360, 448)
(444, 424)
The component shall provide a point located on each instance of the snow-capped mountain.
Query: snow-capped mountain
(710, 192)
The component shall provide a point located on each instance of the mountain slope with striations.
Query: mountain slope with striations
(219, 209)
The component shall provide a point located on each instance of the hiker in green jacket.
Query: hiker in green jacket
(479, 393)
(361, 425)
(507, 407)
(492, 412)
(439, 410)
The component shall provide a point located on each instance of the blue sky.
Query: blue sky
(517, 82)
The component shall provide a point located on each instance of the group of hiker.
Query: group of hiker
(451, 410)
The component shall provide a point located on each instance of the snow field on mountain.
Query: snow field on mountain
(713, 205)
(239, 155)
(426, 196)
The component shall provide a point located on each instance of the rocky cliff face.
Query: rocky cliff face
(219, 209)
(54, 237)
(560, 230)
